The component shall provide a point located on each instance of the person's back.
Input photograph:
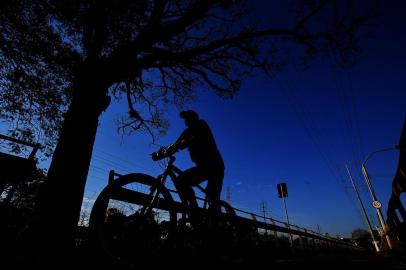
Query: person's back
(202, 146)
(198, 138)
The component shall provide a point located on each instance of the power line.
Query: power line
(109, 165)
(348, 107)
(356, 131)
(347, 117)
(356, 118)
(367, 220)
(354, 204)
(112, 165)
(351, 119)
(309, 125)
(116, 157)
(101, 170)
(364, 189)
(97, 177)
(314, 134)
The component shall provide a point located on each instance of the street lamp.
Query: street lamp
(364, 212)
(375, 202)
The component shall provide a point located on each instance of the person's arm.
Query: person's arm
(184, 139)
(181, 143)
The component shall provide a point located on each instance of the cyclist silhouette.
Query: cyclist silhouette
(198, 138)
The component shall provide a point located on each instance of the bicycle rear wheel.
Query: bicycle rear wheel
(118, 227)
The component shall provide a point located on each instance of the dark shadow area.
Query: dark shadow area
(396, 213)
(62, 63)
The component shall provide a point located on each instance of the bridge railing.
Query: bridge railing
(256, 226)
(300, 237)
(282, 233)
(15, 169)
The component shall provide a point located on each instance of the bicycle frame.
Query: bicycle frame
(171, 170)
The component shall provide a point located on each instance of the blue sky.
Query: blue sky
(299, 127)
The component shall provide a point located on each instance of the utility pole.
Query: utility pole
(264, 210)
(375, 202)
(363, 209)
(228, 195)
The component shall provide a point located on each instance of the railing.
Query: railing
(35, 146)
(250, 227)
(278, 229)
(15, 169)
(276, 226)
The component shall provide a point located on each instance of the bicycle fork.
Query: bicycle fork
(154, 193)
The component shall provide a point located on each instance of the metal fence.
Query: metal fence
(281, 234)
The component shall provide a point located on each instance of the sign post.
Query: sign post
(364, 212)
(283, 193)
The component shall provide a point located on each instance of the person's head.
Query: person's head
(190, 117)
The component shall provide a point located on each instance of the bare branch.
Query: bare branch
(312, 13)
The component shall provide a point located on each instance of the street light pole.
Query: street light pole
(375, 202)
(364, 212)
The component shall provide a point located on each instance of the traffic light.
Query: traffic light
(282, 190)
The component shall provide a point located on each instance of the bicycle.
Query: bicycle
(146, 222)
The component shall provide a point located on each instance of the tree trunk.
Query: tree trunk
(61, 197)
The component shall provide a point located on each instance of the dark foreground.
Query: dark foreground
(84, 257)
(191, 249)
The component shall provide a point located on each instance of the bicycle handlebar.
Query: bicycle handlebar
(165, 152)
(158, 155)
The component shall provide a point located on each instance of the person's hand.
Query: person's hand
(165, 152)
(172, 149)
(160, 154)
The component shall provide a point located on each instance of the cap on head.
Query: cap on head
(189, 115)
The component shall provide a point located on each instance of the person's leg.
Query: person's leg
(213, 239)
(213, 190)
(184, 183)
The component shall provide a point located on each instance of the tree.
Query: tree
(16, 213)
(359, 233)
(363, 237)
(61, 60)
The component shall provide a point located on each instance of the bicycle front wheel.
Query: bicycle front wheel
(119, 226)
